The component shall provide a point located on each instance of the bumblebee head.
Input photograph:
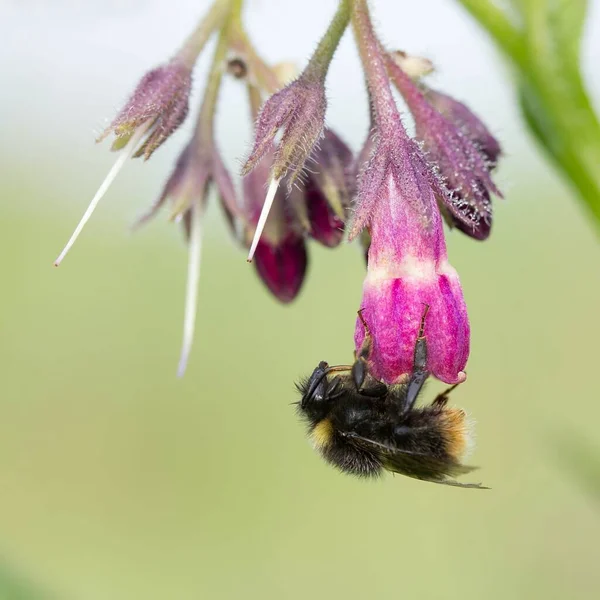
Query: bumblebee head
(315, 402)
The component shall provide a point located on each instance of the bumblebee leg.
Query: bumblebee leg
(419, 373)
(442, 398)
(335, 389)
(359, 368)
(377, 390)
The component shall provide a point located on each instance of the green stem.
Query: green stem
(194, 44)
(205, 122)
(321, 59)
(552, 93)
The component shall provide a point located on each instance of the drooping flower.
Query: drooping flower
(461, 164)
(157, 107)
(280, 256)
(408, 268)
(329, 190)
(297, 113)
(468, 122)
(198, 167)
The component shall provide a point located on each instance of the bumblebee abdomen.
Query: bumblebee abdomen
(340, 452)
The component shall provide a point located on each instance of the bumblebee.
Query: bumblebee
(363, 426)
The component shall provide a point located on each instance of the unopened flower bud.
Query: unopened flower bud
(329, 189)
(460, 163)
(469, 123)
(159, 105)
(280, 256)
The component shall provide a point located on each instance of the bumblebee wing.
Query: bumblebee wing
(415, 464)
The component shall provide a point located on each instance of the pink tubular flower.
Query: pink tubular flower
(408, 268)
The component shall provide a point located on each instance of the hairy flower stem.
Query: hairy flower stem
(385, 112)
(205, 122)
(196, 41)
(260, 74)
(321, 59)
(306, 105)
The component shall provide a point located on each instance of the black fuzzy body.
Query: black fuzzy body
(363, 434)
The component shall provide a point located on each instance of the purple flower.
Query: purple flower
(469, 123)
(329, 190)
(408, 268)
(298, 112)
(198, 167)
(158, 106)
(280, 256)
(462, 166)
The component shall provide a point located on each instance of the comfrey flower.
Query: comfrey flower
(198, 167)
(462, 166)
(408, 269)
(157, 107)
(329, 189)
(407, 261)
(317, 209)
(297, 112)
(280, 258)
(469, 123)
(301, 183)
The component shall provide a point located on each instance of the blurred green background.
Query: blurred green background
(119, 481)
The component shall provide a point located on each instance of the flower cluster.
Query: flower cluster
(301, 182)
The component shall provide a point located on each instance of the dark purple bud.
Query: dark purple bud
(461, 165)
(282, 266)
(329, 189)
(325, 225)
(280, 252)
(158, 106)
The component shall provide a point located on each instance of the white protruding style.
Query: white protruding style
(126, 153)
(264, 213)
(193, 278)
